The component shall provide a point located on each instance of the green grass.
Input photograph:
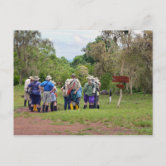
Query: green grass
(135, 112)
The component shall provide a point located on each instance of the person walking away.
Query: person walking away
(48, 86)
(53, 104)
(88, 93)
(73, 87)
(98, 85)
(64, 89)
(26, 91)
(78, 97)
(35, 93)
(94, 91)
(110, 95)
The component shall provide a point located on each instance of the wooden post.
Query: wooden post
(121, 92)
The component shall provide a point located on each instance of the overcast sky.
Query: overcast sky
(69, 43)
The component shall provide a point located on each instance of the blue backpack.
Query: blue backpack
(35, 88)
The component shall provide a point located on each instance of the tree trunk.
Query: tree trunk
(121, 92)
(127, 86)
(120, 98)
(21, 78)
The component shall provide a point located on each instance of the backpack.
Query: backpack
(35, 88)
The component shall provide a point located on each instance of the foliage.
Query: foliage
(105, 81)
(112, 53)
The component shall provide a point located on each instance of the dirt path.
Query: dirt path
(37, 126)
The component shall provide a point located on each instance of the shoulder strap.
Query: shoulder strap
(46, 83)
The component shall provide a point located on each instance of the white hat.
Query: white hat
(36, 78)
(68, 81)
(48, 77)
(96, 79)
(30, 77)
(89, 77)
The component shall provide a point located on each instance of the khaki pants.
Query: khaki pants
(46, 97)
(26, 96)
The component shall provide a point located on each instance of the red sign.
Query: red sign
(120, 79)
(121, 86)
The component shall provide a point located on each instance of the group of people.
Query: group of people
(33, 89)
(72, 92)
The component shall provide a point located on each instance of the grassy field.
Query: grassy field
(135, 112)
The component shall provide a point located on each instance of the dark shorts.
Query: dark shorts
(89, 99)
(36, 99)
(97, 99)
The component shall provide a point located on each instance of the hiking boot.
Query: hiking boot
(31, 108)
(51, 106)
(43, 108)
(25, 103)
(38, 109)
(55, 108)
(85, 106)
(29, 105)
(77, 107)
(46, 108)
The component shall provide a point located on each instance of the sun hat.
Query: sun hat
(36, 78)
(30, 77)
(48, 77)
(68, 81)
(96, 79)
(89, 77)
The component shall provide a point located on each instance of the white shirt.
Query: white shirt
(27, 82)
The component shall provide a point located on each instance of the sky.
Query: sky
(69, 43)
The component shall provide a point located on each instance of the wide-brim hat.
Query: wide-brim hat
(96, 79)
(89, 77)
(48, 77)
(30, 77)
(36, 78)
(68, 81)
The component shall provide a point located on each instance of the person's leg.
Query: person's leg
(85, 101)
(65, 103)
(25, 99)
(38, 103)
(74, 105)
(68, 102)
(48, 100)
(95, 102)
(33, 102)
(55, 106)
(52, 105)
(43, 107)
(77, 103)
(44, 101)
(71, 105)
(91, 102)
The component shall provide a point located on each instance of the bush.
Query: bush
(105, 81)
(16, 79)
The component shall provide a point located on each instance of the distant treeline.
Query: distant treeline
(112, 53)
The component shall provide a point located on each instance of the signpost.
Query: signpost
(121, 80)
(121, 86)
